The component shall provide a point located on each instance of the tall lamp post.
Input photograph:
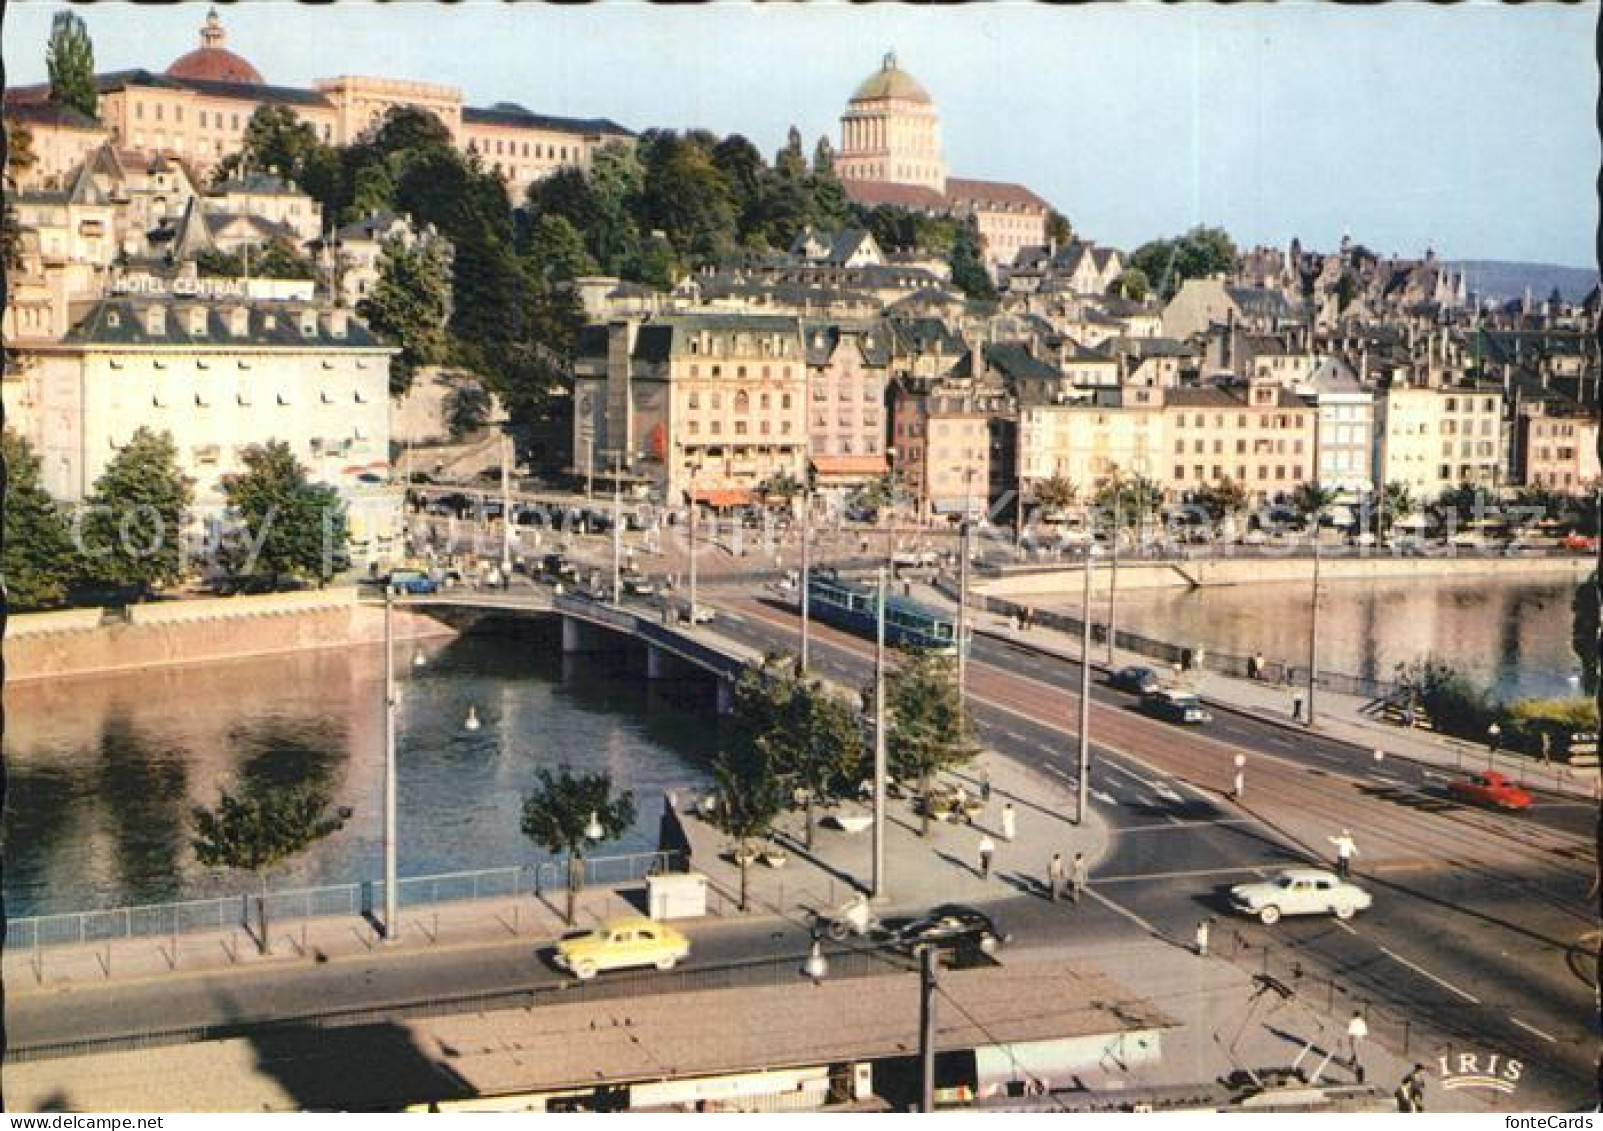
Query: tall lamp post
(806, 572)
(695, 468)
(1313, 627)
(1083, 786)
(391, 920)
(962, 583)
(506, 507)
(878, 885)
(617, 527)
(1113, 573)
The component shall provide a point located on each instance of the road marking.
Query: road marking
(1118, 769)
(1016, 737)
(1548, 1037)
(1137, 877)
(1344, 926)
(1143, 799)
(1105, 798)
(1442, 982)
(1168, 794)
(1434, 774)
(1125, 911)
(1170, 822)
(1387, 780)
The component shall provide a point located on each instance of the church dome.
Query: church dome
(211, 61)
(890, 81)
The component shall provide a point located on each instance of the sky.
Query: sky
(1467, 128)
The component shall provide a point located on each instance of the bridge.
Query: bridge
(594, 626)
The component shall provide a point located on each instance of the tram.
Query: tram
(853, 606)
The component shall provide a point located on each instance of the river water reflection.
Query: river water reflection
(1511, 634)
(104, 771)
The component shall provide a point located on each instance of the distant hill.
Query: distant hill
(1496, 279)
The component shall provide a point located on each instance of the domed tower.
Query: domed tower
(891, 132)
(211, 61)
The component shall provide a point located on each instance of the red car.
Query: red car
(1492, 789)
(1579, 544)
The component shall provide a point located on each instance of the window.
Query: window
(740, 427)
(742, 401)
(139, 110)
(784, 400)
(693, 401)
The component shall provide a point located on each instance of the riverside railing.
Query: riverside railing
(168, 920)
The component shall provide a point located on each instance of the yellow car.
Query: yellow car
(617, 943)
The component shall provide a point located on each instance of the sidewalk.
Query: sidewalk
(1344, 718)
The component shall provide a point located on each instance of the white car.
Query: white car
(1300, 891)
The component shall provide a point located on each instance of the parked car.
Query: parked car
(639, 587)
(1579, 544)
(410, 582)
(1300, 891)
(1492, 789)
(1175, 706)
(621, 943)
(961, 930)
(1136, 678)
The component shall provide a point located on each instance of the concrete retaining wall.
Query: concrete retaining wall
(36, 624)
(206, 631)
(1268, 570)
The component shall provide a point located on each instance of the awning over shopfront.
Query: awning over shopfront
(724, 498)
(852, 468)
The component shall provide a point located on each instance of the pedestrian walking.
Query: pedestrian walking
(1345, 851)
(985, 784)
(1077, 876)
(1411, 1092)
(1202, 938)
(1054, 876)
(1357, 1031)
(1009, 822)
(987, 850)
(1296, 706)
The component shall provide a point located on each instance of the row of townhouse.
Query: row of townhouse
(717, 404)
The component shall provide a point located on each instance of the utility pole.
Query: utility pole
(806, 571)
(1083, 786)
(391, 918)
(927, 986)
(878, 885)
(617, 527)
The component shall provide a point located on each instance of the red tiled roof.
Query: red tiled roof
(992, 192)
(872, 193)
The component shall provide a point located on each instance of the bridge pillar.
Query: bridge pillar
(656, 662)
(726, 696)
(580, 637)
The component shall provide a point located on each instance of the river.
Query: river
(105, 770)
(1512, 635)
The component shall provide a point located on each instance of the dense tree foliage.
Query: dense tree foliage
(557, 816)
(410, 305)
(276, 259)
(70, 63)
(928, 728)
(38, 562)
(969, 273)
(289, 527)
(1196, 255)
(255, 829)
(134, 525)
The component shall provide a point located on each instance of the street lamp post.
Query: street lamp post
(617, 527)
(806, 573)
(391, 918)
(1113, 574)
(1082, 799)
(1313, 628)
(962, 584)
(694, 469)
(506, 508)
(878, 885)
(1239, 786)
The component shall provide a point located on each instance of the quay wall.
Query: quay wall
(78, 642)
(1265, 570)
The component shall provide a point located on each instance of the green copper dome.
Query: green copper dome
(890, 81)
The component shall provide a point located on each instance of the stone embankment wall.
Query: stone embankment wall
(1268, 570)
(77, 642)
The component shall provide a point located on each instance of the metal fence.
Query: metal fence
(168, 920)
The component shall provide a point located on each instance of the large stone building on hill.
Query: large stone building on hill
(197, 111)
(890, 153)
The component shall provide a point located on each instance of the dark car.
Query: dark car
(1175, 706)
(1141, 680)
(964, 931)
